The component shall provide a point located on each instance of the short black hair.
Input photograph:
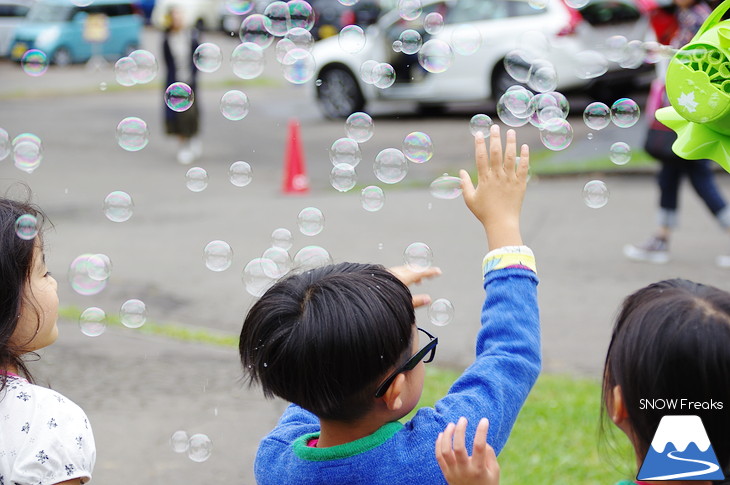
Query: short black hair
(671, 340)
(16, 265)
(323, 339)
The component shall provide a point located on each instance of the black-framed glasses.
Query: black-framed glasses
(425, 355)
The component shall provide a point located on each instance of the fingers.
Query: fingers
(409, 276)
(421, 300)
(467, 186)
(460, 441)
(524, 166)
(446, 450)
(480, 153)
(510, 152)
(495, 148)
(479, 450)
(439, 453)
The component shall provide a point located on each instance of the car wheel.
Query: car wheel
(338, 94)
(501, 81)
(62, 57)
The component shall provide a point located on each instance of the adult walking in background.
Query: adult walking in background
(690, 15)
(178, 45)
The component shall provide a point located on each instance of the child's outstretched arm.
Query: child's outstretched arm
(481, 468)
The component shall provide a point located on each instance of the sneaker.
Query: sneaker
(723, 261)
(185, 156)
(655, 250)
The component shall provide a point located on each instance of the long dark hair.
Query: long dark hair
(671, 340)
(16, 265)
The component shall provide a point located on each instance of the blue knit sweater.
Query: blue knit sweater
(495, 385)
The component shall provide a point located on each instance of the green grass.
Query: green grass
(545, 162)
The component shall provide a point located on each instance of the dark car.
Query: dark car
(331, 16)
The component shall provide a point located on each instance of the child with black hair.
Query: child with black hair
(340, 343)
(44, 437)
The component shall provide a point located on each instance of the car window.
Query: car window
(475, 10)
(44, 12)
(13, 10)
(609, 13)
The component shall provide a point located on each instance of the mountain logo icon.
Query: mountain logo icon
(680, 450)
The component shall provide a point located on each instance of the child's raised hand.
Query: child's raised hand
(409, 277)
(497, 199)
(457, 466)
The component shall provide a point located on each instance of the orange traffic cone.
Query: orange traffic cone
(295, 172)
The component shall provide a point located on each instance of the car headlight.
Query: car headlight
(47, 37)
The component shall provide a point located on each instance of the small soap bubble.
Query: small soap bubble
(390, 166)
(281, 258)
(480, 123)
(34, 62)
(80, 280)
(247, 60)
(218, 256)
(409, 9)
(132, 134)
(397, 46)
(281, 238)
(256, 29)
(418, 256)
(146, 66)
(518, 63)
(345, 150)
(258, 276)
(27, 155)
(239, 7)
(234, 105)
(240, 174)
(433, 23)
(466, 40)
(417, 147)
(359, 127)
(595, 194)
(367, 71)
(26, 227)
(620, 153)
(301, 38)
(556, 134)
(633, 55)
(179, 441)
(441, 312)
(124, 71)
(343, 177)
(282, 47)
(435, 56)
(208, 57)
(118, 206)
(196, 179)
(446, 187)
(372, 198)
(179, 97)
(133, 313)
(517, 99)
(589, 64)
(597, 116)
(384, 75)
(278, 15)
(312, 257)
(352, 39)
(200, 448)
(102, 86)
(301, 14)
(411, 41)
(508, 117)
(614, 47)
(99, 267)
(298, 65)
(543, 76)
(310, 221)
(625, 113)
(92, 322)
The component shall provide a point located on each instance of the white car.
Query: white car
(502, 24)
(12, 13)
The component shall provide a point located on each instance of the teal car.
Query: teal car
(69, 33)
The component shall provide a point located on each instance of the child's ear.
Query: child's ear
(616, 407)
(392, 397)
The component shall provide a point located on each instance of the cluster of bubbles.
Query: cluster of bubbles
(140, 67)
(379, 74)
(198, 447)
(441, 312)
(88, 274)
(27, 150)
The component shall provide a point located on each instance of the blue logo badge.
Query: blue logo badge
(680, 450)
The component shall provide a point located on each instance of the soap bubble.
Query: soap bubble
(633, 55)
(384, 75)
(409, 9)
(343, 177)
(207, 57)
(234, 105)
(200, 447)
(132, 134)
(352, 39)
(218, 256)
(196, 179)
(179, 97)
(517, 99)
(367, 71)
(281, 238)
(433, 23)
(547, 106)
(597, 116)
(543, 76)
(589, 64)
(99, 267)
(359, 127)
(417, 147)
(625, 113)
(247, 60)
(282, 47)
(446, 187)
(79, 278)
(556, 134)
(345, 150)
(312, 257)
(620, 153)
(298, 65)
(5, 146)
(507, 117)
(466, 40)
(240, 174)
(518, 63)
(372, 198)
(480, 123)
(133, 313)
(435, 56)
(410, 41)
(26, 226)
(27, 155)
(124, 71)
(441, 312)
(179, 441)
(238, 7)
(418, 257)
(301, 38)
(92, 322)
(390, 166)
(256, 29)
(301, 14)
(259, 275)
(280, 21)
(595, 194)
(146, 66)
(614, 48)
(281, 258)
(310, 221)
(34, 62)
(118, 206)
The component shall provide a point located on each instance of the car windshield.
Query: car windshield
(475, 10)
(45, 12)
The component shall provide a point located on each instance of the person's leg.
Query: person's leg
(704, 183)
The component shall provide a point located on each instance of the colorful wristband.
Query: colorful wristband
(509, 257)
